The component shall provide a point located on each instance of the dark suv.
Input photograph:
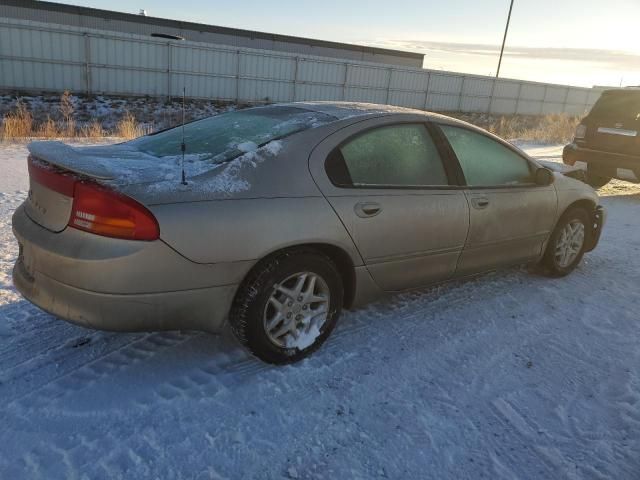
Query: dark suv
(608, 139)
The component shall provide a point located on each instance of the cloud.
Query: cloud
(606, 58)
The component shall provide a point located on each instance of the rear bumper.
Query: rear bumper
(123, 285)
(203, 309)
(573, 153)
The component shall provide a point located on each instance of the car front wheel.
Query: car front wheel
(288, 306)
(567, 243)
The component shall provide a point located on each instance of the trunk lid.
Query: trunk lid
(119, 162)
(55, 166)
(47, 204)
(613, 125)
(65, 193)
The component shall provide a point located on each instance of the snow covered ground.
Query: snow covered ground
(510, 375)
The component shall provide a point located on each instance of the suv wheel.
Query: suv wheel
(597, 179)
(288, 306)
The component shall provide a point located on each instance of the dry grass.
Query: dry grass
(68, 116)
(20, 124)
(48, 129)
(66, 106)
(550, 128)
(93, 130)
(128, 127)
(17, 124)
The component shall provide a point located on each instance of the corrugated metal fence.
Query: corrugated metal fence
(38, 56)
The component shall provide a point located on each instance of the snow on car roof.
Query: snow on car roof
(342, 110)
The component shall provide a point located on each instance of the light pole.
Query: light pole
(504, 39)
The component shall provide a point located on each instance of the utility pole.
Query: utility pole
(504, 39)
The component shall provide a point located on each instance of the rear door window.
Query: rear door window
(392, 156)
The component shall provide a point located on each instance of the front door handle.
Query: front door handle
(367, 209)
(480, 202)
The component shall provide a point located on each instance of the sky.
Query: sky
(585, 43)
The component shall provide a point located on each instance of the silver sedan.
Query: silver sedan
(273, 219)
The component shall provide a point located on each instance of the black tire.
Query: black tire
(597, 178)
(246, 315)
(550, 264)
(597, 181)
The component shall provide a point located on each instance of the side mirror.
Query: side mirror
(544, 177)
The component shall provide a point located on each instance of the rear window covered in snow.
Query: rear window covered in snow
(229, 135)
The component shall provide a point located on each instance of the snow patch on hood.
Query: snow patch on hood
(247, 147)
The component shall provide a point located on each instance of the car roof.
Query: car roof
(342, 110)
(356, 111)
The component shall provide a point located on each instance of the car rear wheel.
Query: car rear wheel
(567, 244)
(288, 306)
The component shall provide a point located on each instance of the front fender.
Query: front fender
(570, 191)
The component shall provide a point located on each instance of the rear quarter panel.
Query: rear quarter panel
(250, 229)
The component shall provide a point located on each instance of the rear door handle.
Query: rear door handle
(367, 209)
(480, 202)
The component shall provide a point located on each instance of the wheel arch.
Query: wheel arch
(590, 207)
(337, 254)
(585, 203)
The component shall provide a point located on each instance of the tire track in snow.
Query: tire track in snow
(106, 364)
(550, 456)
(232, 365)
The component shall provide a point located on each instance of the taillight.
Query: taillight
(102, 211)
(581, 132)
(97, 209)
(52, 177)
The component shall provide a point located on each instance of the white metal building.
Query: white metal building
(93, 18)
(48, 47)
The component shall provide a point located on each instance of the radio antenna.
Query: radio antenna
(183, 146)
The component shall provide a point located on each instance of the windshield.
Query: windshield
(226, 136)
(618, 104)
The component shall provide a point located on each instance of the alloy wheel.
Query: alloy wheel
(569, 243)
(296, 310)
